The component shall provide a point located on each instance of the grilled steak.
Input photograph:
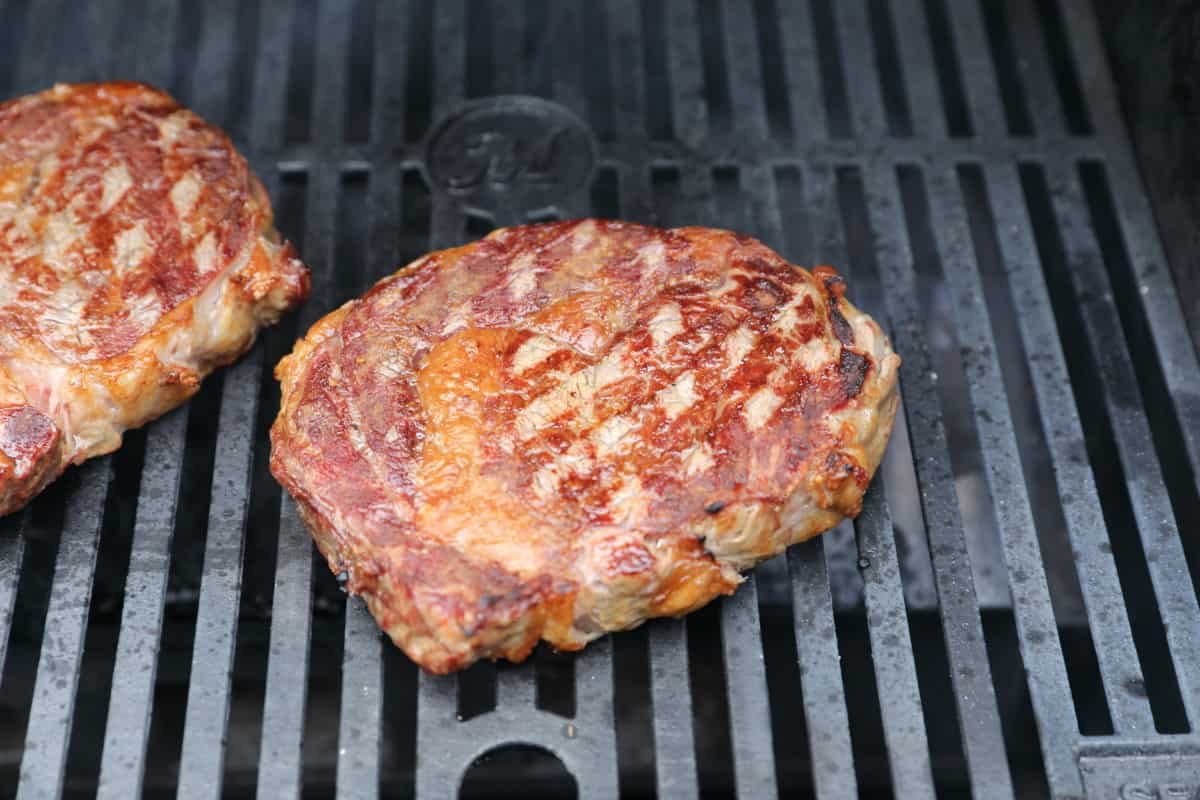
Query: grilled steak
(565, 429)
(137, 254)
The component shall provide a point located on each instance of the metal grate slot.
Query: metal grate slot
(1015, 611)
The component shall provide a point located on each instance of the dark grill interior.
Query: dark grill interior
(1013, 614)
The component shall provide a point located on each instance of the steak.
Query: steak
(565, 429)
(137, 254)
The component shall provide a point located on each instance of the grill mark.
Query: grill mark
(852, 367)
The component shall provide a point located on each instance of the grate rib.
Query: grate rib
(1041, 649)
(979, 716)
(359, 725)
(1037, 79)
(1147, 493)
(449, 56)
(821, 672)
(746, 686)
(391, 75)
(39, 48)
(628, 67)
(670, 694)
(209, 90)
(892, 651)
(202, 759)
(52, 712)
(279, 772)
(925, 101)
(516, 686)
(135, 666)
(744, 70)
(685, 70)
(977, 68)
(861, 68)
(1100, 586)
(12, 555)
(802, 72)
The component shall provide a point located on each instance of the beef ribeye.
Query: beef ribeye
(567, 428)
(137, 254)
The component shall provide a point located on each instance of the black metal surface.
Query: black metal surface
(1013, 614)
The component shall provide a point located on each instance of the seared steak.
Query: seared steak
(565, 429)
(137, 254)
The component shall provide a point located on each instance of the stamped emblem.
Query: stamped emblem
(510, 155)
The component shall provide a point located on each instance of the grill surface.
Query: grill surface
(1014, 612)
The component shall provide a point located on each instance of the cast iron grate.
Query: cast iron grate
(1014, 612)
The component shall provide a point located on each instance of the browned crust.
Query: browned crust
(437, 549)
(94, 157)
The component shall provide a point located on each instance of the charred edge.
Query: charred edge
(835, 288)
(714, 508)
(852, 367)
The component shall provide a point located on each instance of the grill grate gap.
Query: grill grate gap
(1066, 77)
(716, 81)
(1016, 713)
(239, 106)
(1168, 436)
(949, 71)
(774, 82)
(476, 690)
(96, 667)
(659, 122)
(833, 79)
(1145, 619)
(555, 681)
(396, 778)
(632, 709)
(186, 49)
(1008, 75)
(360, 72)
(323, 689)
(975, 503)
(183, 584)
(597, 73)
(891, 69)
(418, 97)
(1065, 591)
(301, 64)
(537, 43)
(710, 709)
(41, 531)
(479, 48)
(606, 194)
(862, 706)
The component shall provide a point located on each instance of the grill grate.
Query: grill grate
(1015, 611)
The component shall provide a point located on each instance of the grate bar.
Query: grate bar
(977, 68)
(628, 67)
(280, 772)
(860, 67)
(915, 46)
(970, 671)
(744, 68)
(1037, 79)
(565, 64)
(594, 691)
(891, 649)
(685, 66)
(803, 75)
(123, 763)
(1041, 649)
(821, 672)
(12, 555)
(360, 722)
(746, 687)
(508, 26)
(390, 75)
(53, 707)
(1165, 558)
(1099, 584)
(329, 81)
(207, 716)
(449, 56)
(1160, 303)
(209, 90)
(670, 695)
(515, 685)
(271, 61)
